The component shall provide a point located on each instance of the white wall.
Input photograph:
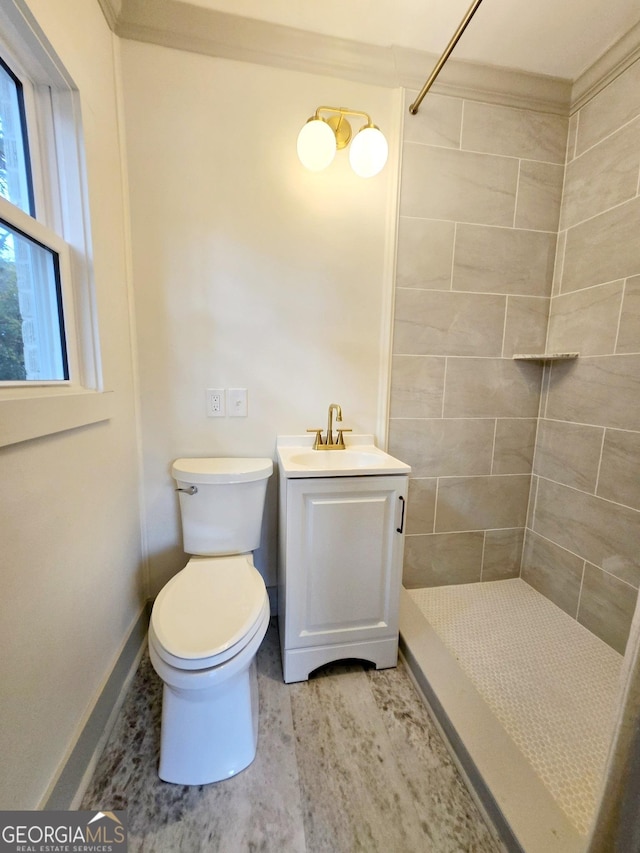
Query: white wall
(70, 554)
(249, 271)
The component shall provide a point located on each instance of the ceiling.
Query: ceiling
(556, 37)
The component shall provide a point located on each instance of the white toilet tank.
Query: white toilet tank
(221, 503)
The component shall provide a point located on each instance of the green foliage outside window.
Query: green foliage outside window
(11, 346)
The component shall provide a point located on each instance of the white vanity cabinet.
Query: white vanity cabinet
(340, 569)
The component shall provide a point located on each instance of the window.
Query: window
(32, 318)
(50, 377)
(32, 336)
(15, 164)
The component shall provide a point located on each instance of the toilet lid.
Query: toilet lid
(208, 607)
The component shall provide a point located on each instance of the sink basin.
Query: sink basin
(337, 459)
(361, 457)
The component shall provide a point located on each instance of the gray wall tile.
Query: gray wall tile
(601, 390)
(569, 453)
(440, 559)
(526, 325)
(629, 332)
(614, 106)
(603, 533)
(441, 447)
(421, 505)
(417, 386)
(605, 248)
(553, 571)
(572, 137)
(510, 179)
(439, 121)
(601, 250)
(425, 253)
(431, 322)
(559, 263)
(503, 260)
(515, 132)
(481, 503)
(491, 387)
(606, 607)
(586, 321)
(514, 445)
(438, 183)
(602, 177)
(533, 495)
(502, 554)
(539, 195)
(619, 478)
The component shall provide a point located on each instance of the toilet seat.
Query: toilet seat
(208, 612)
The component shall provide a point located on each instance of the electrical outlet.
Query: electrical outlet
(237, 402)
(215, 403)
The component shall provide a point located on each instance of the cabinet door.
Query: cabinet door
(344, 559)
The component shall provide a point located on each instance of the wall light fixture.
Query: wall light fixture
(320, 138)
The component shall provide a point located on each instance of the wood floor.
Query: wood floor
(348, 761)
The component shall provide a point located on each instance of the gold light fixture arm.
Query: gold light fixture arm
(339, 124)
(344, 111)
(413, 109)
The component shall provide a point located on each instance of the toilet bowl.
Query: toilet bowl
(207, 624)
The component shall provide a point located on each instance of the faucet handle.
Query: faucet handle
(318, 439)
(340, 441)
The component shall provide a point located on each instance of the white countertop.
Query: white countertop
(359, 458)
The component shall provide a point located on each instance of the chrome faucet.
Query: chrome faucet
(328, 443)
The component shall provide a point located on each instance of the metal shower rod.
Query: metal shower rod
(413, 109)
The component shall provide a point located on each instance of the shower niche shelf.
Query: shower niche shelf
(545, 356)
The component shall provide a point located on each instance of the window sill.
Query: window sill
(37, 416)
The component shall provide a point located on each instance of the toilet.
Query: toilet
(208, 622)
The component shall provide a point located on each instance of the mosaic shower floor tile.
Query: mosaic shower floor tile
(551, 683)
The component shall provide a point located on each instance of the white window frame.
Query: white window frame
(20, 221)
(52, 106)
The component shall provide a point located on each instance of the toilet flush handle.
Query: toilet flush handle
(192, 490)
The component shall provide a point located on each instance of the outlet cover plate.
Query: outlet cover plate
(215, 403)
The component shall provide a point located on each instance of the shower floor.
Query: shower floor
(549, 682)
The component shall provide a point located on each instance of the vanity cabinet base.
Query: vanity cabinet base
(340, 570)
(298, 663)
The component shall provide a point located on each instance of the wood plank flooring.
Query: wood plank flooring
(348, 761)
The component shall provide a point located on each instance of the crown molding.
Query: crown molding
(480, 82)
(213, 33)
(111, 10)
(184, 26)
(200, 30)
(604, 70)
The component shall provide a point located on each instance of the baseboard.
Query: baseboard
(75, 776)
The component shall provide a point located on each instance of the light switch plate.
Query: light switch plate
(237, 402)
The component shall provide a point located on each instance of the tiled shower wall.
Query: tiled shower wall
(479, 209)
(482, 202)
(583, 549)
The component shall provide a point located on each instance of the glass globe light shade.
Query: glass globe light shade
(368, 152)
(316, 145)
